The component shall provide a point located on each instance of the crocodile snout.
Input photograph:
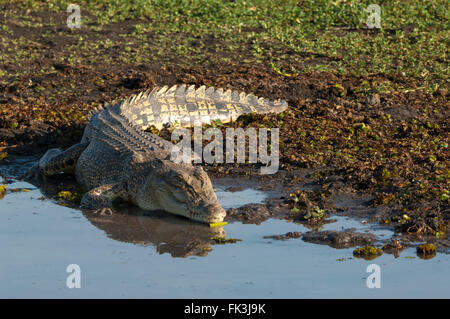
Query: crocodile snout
(216, 212)
(212, 213)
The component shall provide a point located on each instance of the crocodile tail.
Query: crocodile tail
(187, 106)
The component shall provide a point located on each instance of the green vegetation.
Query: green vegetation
(292, 36)
(212, 225)
(70, 197)
(426, 251)
(367, 252)
(315, 214)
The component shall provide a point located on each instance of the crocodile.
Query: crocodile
(119, 159)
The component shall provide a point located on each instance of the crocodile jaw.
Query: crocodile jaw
(183, 190)
(213, 213)
(206, 211)
(209, 214)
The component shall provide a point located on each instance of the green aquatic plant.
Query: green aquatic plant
(367, 252)
(315, 214)
(212, 225)
(68, 196)
(426, 249)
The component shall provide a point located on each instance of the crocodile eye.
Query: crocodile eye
(179, 195)
(179, 180)
(174, 178)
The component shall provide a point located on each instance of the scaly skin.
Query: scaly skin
(116, 159)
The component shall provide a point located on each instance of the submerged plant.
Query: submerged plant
(73, 197)
(367, 252)
(426, 251)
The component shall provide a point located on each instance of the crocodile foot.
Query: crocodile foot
(100, 199)
(104, 211)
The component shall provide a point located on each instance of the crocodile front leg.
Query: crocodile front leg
(101, 198)
(55, 161)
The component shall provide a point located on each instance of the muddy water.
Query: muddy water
(152, 255)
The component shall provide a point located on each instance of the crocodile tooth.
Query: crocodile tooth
(171, 92)
(218, 94)
(181, 91)
(252, 99)
(130, 100)
(283, 105)
(226, 97)
(153, 92)
(126, 102)
(209, 93)
(144, 95)
(200, 92)
(140, 99)
(235, 97)
(162, 91)
(151, 95)
(242, 97)
(134, 98)
(139, 96)
(190, 92)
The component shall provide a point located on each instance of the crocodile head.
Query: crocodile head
(182, 189)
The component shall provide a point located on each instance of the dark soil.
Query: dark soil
(340, 239)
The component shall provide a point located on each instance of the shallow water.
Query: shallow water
(139, 255)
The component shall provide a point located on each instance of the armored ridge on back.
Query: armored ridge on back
(117, 159)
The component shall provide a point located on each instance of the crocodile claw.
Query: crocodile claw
(104, 211)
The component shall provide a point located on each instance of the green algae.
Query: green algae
(367, 252)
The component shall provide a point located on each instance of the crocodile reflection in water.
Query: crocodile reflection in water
(178, 236)
(169, 234)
